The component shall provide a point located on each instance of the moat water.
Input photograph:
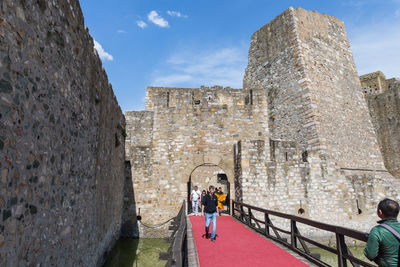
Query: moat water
(143, 252)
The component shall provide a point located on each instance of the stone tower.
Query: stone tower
(324, 154)
(304, 60)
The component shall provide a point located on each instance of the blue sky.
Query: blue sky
(192, 43)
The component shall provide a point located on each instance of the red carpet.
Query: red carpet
(236, 245)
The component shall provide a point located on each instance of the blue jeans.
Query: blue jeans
(213, 217)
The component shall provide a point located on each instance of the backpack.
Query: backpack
(397, 235)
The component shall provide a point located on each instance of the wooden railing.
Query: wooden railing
(178, 250)
(243, 212)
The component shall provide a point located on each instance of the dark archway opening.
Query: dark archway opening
(205, 175)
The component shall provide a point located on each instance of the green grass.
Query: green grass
(332, 260)
(142, 252)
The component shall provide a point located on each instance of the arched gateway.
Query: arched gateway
(181, 130)
(208, 174)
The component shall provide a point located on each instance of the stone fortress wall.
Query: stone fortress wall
(310, 145)
(383, 98)
(304, 61)
(297, 137)
(317, 114)
(61, 139)
(182, 129)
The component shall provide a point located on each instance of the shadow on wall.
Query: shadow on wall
(129, 226)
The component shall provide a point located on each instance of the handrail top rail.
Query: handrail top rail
(363, 236)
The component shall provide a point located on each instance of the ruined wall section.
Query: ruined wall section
(61, 139)
(373, 83)
(385, 113)
(192, 127)
(376, 83)
(393, 83)
(382, 98)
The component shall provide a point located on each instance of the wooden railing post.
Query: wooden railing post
(343, 253)
(266, 219)
(342, 250)
(249, 220)
(293, 231)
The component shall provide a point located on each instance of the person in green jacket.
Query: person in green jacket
(382, 246)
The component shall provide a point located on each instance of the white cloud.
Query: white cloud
(154, 17)
(376, 47)
(353, 3)
(141, 24)
(122, 31)
(397, 13)
(171, 79)
(176, 14)
(102, 54)
(194, 67)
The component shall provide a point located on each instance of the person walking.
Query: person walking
(384, 239)
(203, 195)
(210, 208)
(221, 198)
(195, 198)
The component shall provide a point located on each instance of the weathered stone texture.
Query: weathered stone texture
(187, 128)
(207, 175)
(298, 138)
(373, 83)
(292, 181)
(62, 143)
(382, 97)
(324, 155)
(304, 61)
(393, 83)
(129, 227)
(385, 113)
(274, 64)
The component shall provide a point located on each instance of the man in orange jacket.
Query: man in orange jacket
(221, 198)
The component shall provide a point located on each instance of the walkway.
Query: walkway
(236, 245)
